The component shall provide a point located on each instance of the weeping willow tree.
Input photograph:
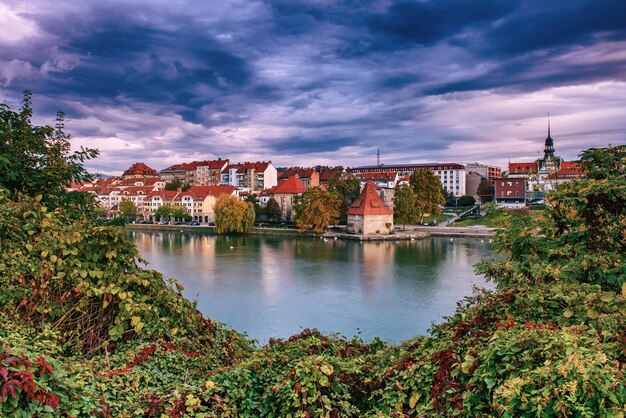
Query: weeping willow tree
(233, 215)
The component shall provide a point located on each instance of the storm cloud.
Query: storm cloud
(318, 81)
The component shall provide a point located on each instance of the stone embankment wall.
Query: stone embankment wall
(456, 231)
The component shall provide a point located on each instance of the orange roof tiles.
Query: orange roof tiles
(290, 186)
(200, 192)
(382, 176)
(369, 202)
(523, 167)
(330, 173)
(140, 169)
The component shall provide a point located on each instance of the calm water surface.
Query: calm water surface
(274, 287)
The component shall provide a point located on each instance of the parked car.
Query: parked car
(211, 223)
(164, 223)
(194, 223)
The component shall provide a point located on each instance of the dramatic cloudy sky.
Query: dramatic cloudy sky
(320, 81)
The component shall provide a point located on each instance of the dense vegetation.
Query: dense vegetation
(86, 331)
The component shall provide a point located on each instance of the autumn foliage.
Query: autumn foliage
(316, 209)
(233, 215)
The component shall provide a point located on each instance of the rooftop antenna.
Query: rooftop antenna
(378, 157)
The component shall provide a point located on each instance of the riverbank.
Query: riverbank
(412, 232)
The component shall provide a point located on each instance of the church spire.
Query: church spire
(548, 151)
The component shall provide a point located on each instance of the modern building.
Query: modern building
(209, 173)
(176, 173)
(252, 177)
(510, 192)
(490, 172)
(369, 214)
(451, 175)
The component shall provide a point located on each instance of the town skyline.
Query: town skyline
(320, 82)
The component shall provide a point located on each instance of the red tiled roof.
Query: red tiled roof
(213, 164)
(569, 169)
(300, 171)
(140, 169)
(383, 176)
(267, 192)
(164, 194)
(329, 173)
(523, 167)
(137, 190)
(290, 186)
(145, 180)
(200, 192)
(105, 182)
(369, 202)
(258, 166)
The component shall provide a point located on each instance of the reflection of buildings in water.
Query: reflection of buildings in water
(377, 261)
(276, 268)
(459, 252)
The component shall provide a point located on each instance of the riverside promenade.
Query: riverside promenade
(412, 232)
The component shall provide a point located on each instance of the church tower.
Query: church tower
(549, 162)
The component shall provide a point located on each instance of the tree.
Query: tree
(233, 215)
(316, 209)
(36, 160)
(579, 237)
(176, 184)
(272, 210)
(348, 187)
(466, 201)
(450, 198)
(485, 188)
(428, 192)
(180, 212)
(127, 210)
(258, 211)
(163, 212)
(404, 208)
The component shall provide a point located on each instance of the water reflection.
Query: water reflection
(270, 286)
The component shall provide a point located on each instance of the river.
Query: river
(275, 286)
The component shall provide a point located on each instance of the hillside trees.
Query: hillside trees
(316, 209)
(233, 215)
(429, 195)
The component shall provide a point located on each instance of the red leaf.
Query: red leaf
(52, 400)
